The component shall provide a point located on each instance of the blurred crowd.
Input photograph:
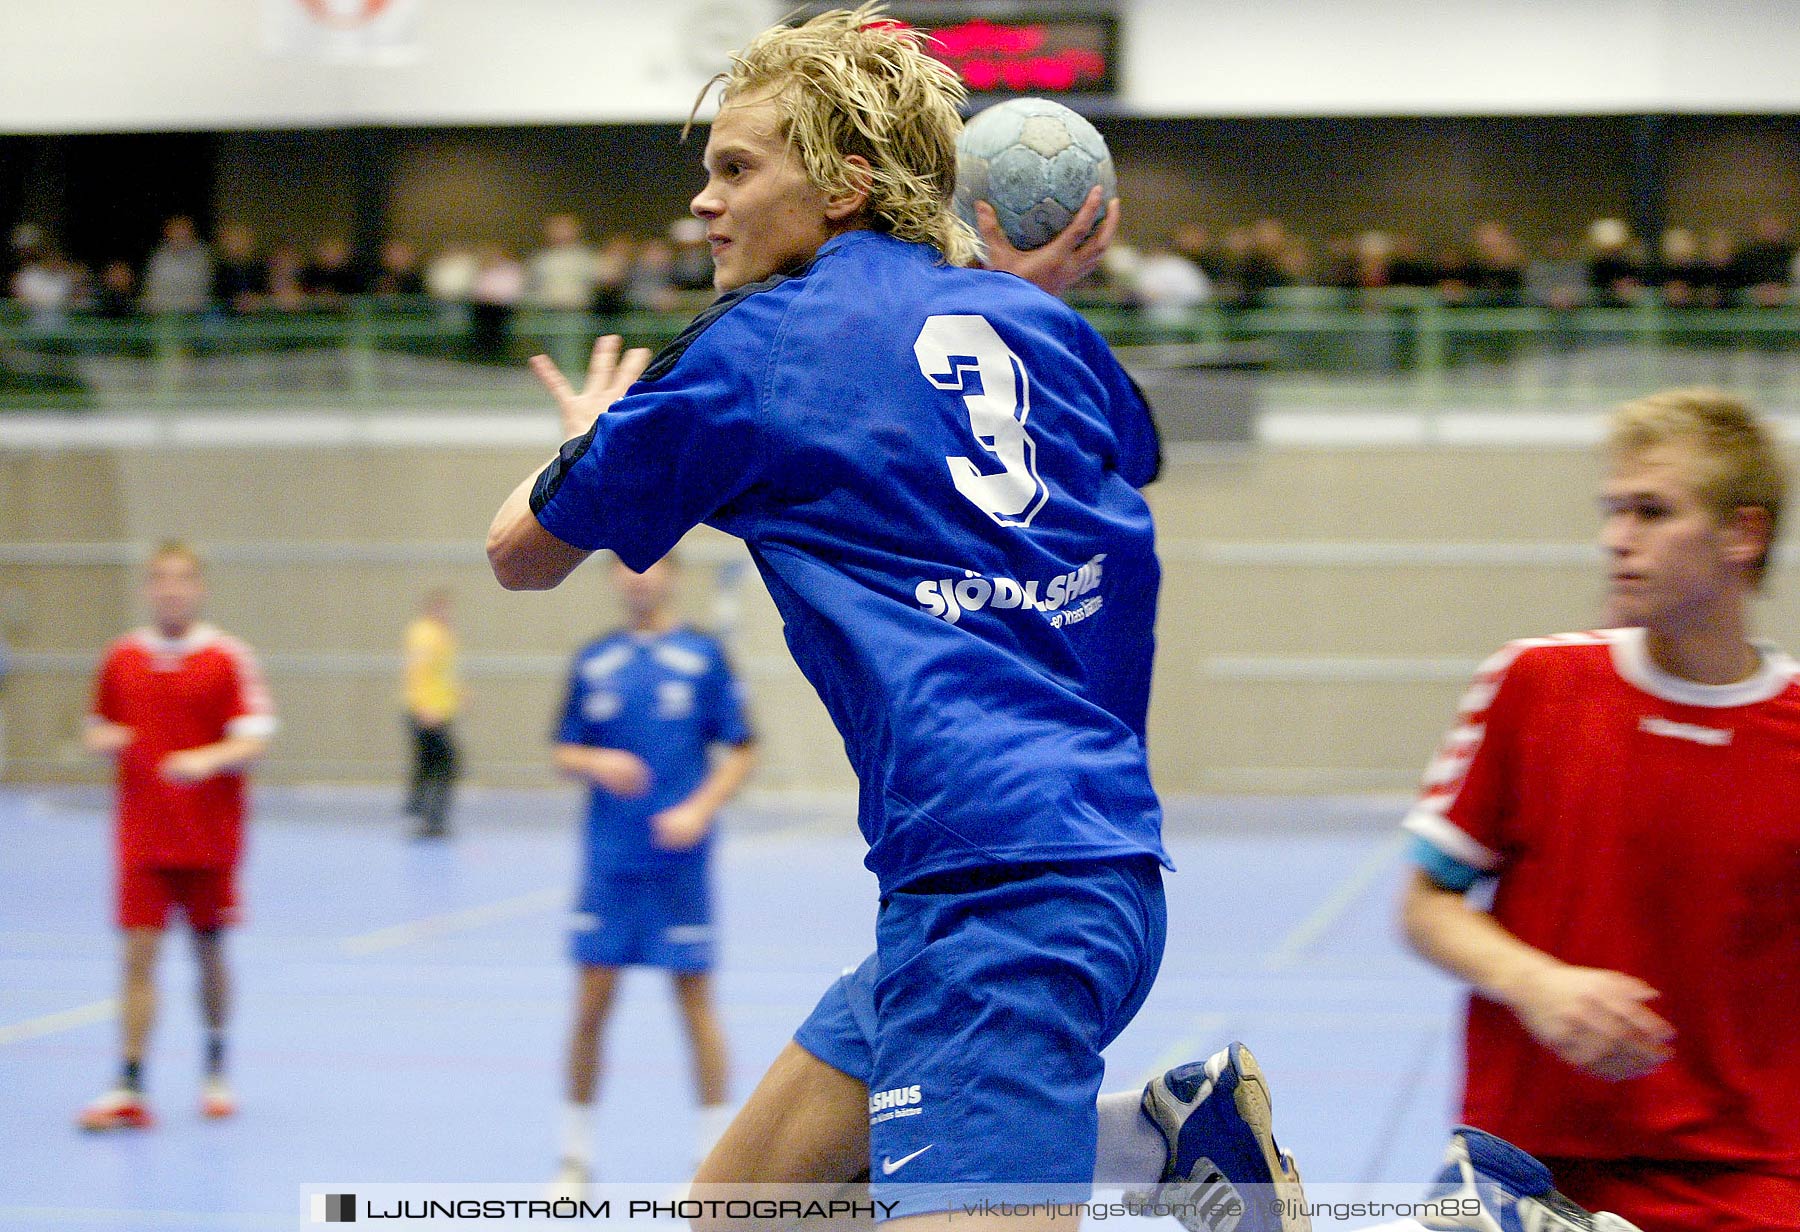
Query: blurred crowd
(237, 273)
(1609, 266)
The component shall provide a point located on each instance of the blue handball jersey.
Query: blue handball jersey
(666, 698)
(936, 472)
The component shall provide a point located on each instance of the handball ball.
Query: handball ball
(1033, 160)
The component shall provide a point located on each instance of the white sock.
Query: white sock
(577, 1135)
(714, 1119)
(1131, 1150)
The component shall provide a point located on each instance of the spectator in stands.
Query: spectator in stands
(450, 274)
(1296, 262)
(115, 297)
(612, 277)
(1234, 250)
(287, 278)
(1557, 279)
(45, 285)
(561, 275)
(1719, 253)
(1496, 267)
(1368, 261)
(1193, 241)
(1266, 261)
(26, 238)
(1615, 268)
(691, 267)
(1681, 278)
(398, 273)
(1455, 275)
(1166, 286)
(334, 275)
(652, 286)
(178, 277)
(1765, 264)
(240, 279)
(494, 296)
(1409, 266)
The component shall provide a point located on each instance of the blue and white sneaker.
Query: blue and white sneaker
(1489, 1185)
(1225, 1173)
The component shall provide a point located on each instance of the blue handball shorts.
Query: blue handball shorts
(978, 1022)
(654, 918)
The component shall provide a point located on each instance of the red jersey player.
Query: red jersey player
(182, 709)
(1633, 795)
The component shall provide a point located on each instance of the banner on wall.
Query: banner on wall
(343, 31)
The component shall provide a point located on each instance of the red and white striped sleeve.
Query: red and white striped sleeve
(1463, 799)
(253, 709)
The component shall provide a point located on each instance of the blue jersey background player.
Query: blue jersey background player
(645, 707)
(936, 471)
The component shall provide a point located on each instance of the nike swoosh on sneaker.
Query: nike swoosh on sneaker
(891, 1166)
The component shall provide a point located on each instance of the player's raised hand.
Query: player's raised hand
(1598, 1021)
(609, 375)
(1070, 256)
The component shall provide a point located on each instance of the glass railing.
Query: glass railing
(1308, 345)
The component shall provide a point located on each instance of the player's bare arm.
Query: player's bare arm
(197, 765)
(1598, 1021)
(523, 555)
(103, 737)
(619, 771)
(682, 825)
(1072, 255)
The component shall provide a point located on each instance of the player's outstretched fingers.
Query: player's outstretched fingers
(1101, 238)
(632, 366)
(1081, 227)
(1090, 242)
(602, 360)
(551, 378)
(987, 225)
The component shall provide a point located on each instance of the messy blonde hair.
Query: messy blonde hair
(175, 549)
(1735, 461)
(854, 82)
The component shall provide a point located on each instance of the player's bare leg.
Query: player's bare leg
(216, 1098)
(123, 1107)
(594, 996)
(137, 1008)
(805, 1124)
(706, 1045)
(593, 1007)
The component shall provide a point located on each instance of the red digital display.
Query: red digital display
(1060, 55)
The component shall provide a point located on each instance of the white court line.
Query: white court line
(62, 1020)
(434, 926)
(50, 1216)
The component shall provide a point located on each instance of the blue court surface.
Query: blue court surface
(402, 1006)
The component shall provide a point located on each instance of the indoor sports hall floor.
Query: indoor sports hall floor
(402, 1006)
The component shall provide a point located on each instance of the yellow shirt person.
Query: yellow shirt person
(432, 696)
(433, 692)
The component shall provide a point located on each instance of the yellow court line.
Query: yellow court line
(434, 926)
(63, 1020)
(1362, 878)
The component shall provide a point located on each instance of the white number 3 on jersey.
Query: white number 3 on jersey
(963, 354)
